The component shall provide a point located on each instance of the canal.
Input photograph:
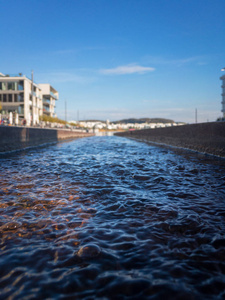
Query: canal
(111, 218)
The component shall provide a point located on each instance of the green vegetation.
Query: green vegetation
(0, 107)
(73, 124)
(51, 119)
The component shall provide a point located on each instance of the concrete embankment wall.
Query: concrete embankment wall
(204, 137)
(15, 138)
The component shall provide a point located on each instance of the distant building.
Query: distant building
(20, 95)
(124, 126)
(223, 95)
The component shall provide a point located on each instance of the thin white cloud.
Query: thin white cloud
(127, 69)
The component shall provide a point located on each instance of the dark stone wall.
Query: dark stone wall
(15, 138)
(204, 137)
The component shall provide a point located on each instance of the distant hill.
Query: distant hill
(144, 120)
(92, 121)
(133, 120)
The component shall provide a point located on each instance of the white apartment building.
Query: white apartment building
(20, 95)
(223, 95)
(49, 96)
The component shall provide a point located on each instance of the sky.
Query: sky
(116, 59)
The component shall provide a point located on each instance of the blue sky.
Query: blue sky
(114, 59)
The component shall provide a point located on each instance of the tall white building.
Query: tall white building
(49, 96)
(19, 94)
(223, 95)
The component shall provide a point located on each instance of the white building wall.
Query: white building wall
(27, 112)
(45, 88)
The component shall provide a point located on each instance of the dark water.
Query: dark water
(110, 218)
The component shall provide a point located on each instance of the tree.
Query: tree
(46, 118)
(73, 124)
(0, 107)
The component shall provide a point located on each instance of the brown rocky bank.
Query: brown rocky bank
(203, 137)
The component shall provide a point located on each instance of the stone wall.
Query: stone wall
(204, 137)
(15, 138)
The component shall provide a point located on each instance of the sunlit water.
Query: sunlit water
(111, 218)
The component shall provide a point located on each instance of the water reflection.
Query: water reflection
(105, 217)
(104, 133)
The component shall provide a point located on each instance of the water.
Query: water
(111, 218)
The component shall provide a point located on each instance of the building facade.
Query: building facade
(20, 95)
(223, 95)
(49, 96)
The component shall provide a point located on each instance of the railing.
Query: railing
(46, 109)
(53, 95)
(13, 75)
(46, 101)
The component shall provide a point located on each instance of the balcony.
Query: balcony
(53, 95)
(33, 94)
(46, 101)
(46, 109)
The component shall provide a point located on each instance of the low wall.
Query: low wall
(205, 137)
(15, 138)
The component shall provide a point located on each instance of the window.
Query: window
(10, 97)
(20, 85)
(0, 97)
(3, 86)
(4, 98)
(20, 110)
(12, 86)
(15, 98)
(20, 97)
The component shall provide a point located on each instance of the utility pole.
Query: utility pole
(196, 116)
(65, 111)
(223, 96)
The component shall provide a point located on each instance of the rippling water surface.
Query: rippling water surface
(111, 218)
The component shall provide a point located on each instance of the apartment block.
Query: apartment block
(49, 96)
(20, 95)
